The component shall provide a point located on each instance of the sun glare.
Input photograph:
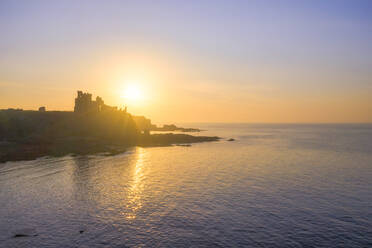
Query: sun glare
(132, 93)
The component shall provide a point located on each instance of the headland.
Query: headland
(93, 127)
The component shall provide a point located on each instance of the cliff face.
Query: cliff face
(26, 135)
(143, 123)
(48, 127)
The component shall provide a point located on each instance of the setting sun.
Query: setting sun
(132, 93)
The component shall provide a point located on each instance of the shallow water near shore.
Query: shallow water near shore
(274, 186)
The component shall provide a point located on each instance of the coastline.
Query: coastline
(93, 127)
(11, 151)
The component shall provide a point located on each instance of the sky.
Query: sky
(192, 61)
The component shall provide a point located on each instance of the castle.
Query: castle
(85, 104)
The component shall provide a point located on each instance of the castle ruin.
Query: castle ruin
(85, 104)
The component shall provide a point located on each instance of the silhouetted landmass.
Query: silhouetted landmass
(170, 138)
(144, 123)
(173, 128)
(93, 127)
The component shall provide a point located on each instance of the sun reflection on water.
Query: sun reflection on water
(134, 201)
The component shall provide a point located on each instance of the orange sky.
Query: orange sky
(173, 92)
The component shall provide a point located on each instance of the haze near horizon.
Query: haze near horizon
(192, 61)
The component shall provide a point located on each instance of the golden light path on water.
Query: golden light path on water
(134, 199)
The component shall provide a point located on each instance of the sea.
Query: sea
(276, 185)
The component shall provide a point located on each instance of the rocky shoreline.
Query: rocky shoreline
(78, 146)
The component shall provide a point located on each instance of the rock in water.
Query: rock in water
(25, 233)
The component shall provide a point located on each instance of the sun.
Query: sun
(132, 93)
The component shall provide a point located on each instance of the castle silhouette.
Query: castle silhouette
(85, 104)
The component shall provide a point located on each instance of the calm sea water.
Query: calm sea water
(275, 186)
